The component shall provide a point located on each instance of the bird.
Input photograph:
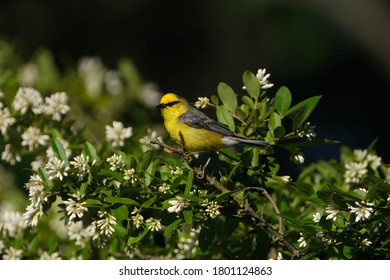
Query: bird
(194, 130)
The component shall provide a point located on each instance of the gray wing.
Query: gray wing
(197, 119)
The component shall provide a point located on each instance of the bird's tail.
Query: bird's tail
(234, 140)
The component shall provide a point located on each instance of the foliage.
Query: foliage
(96, 189)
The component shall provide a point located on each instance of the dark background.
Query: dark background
(337, 48)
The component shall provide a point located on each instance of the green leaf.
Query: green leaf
(252, 85)
(302, 111)
(248, 101)
(206, 235)
(135, 239)
(190, 178)
(348, 252)
(121, 200)
(188, 216)
(171, 227)
(113, 174)
(283, 100)
(149, 173)
(227, 96)
(214, 100)
(90, 151)
(224, 117)
(150, 201)
(274, 121)
(146, 159)
(59, 150)
(93, 202)
(45, 178)
(121, 213)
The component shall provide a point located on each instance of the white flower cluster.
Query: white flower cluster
(355, 170)
(202, 102)
(95, 76)
(362, 211)
(307, 131)
(37, 197)
(212, 208)
(30, 101)
(187, 245)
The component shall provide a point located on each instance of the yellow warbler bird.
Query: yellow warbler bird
(196, 131)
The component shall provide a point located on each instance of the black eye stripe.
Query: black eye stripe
(169, 104)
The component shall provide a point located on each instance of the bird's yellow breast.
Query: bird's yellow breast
(193, 139)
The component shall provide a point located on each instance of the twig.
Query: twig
(260, 221)
(273, 203)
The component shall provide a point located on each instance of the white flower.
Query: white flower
(12, 254)
(354, 171)
(75, 209)
(262, 77)
(10, 156)
(27, 98)
(5, 119)
(374, 161)
(32, 214)
(150, 136)
(366, 242)
(36, 189)
(130, 176)
(316, 217)
(299, 158)
(212, 208)
(187, 245)
(57, 169)
(164, 188)
(360, 155)
(302, 241)
(362, 211)
(33, 138)
(138, 219)
(117, 133)
(115, 162)
(332, 213)
(12, 223)
(106, 223)
(176, 170)
(37, 196)
(153, 224)
(307, 131)
(150, 95)
(91, 70)
(285, 178)
(80, 163)
(77, 232)
(177, 204)
(56, 105)
(113, 82)
(53, 256)
(28, 74)
(202, 102)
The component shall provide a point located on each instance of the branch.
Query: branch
(273, 203)
(212, 181)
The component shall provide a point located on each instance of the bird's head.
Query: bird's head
(170, 100)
